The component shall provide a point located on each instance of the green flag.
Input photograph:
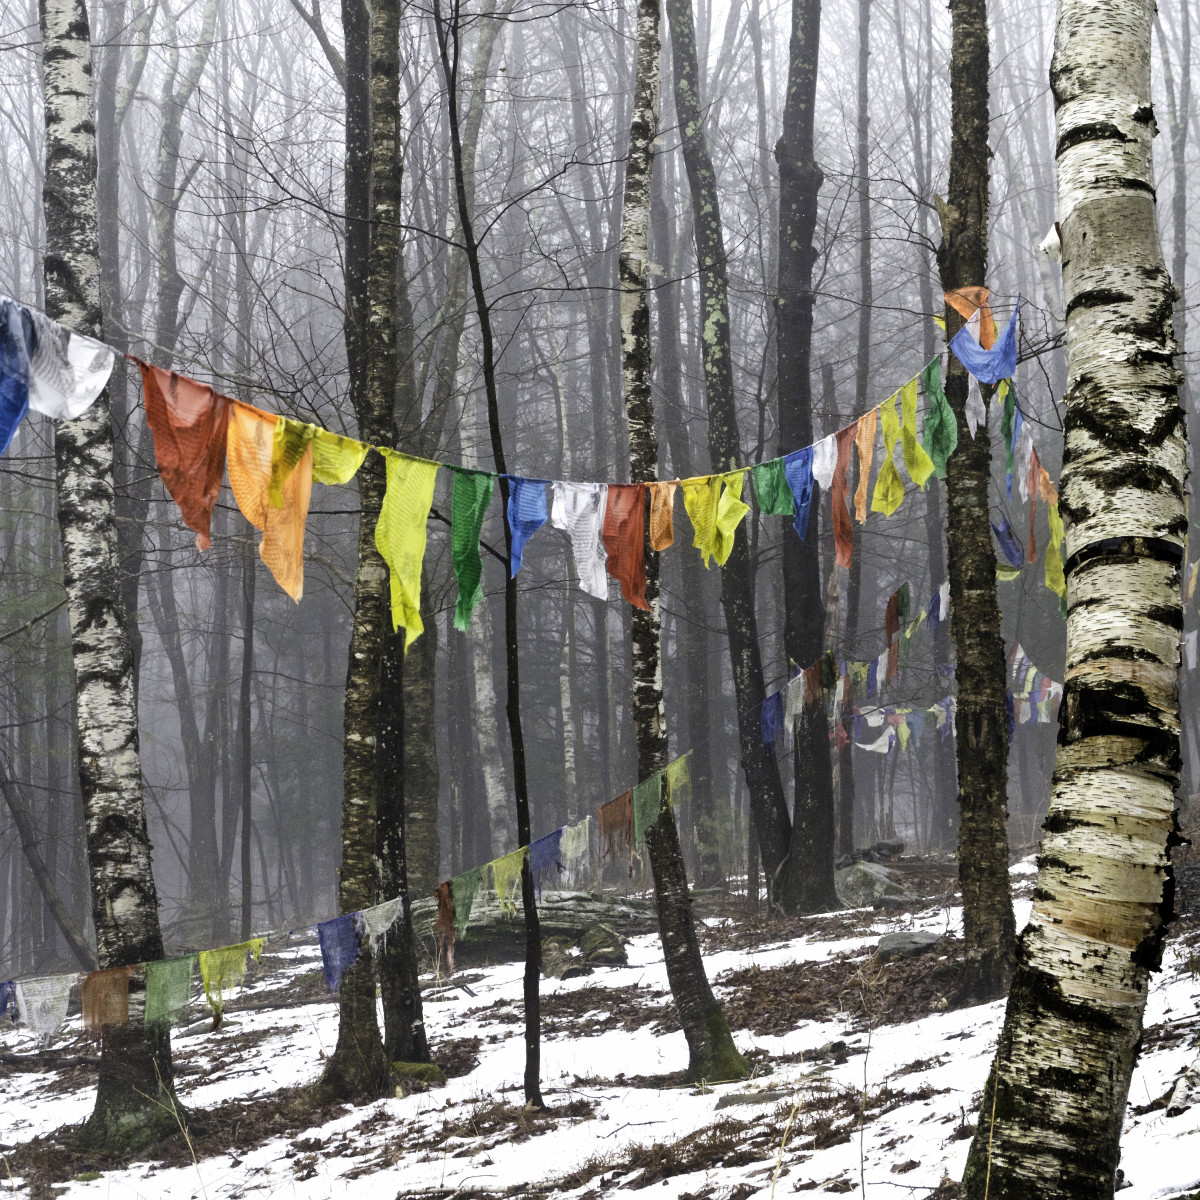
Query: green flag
(468, 506)
(168, 990)
(647, 805)
(772, 490)
(941, 429)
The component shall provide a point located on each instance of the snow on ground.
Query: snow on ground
(921, 1081)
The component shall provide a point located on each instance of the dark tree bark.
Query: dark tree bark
(358, 1070)
(737, 585)
(980, 725)
(711, 1052)
(448, 47)
(806, 884)
(135, 1099)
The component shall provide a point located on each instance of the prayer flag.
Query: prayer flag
(798, 469)
(989, 366)
(889, 491)
(8, 998)
(662, 513)
(678, 776)
(340, 948)
(506, 878)
(843, 531)
(646, 801)
(292, 439)
(168, 990)
(443, 924)
(400, 536)
(526, 515)
(615, 821)
(469, 500)
(104, 998)
(190, 424)
(715, 507)
(336, 459)
(864, 439)
(42, 1002)
(941, 429)
(225, 968)
(1009, 545)
(771, 718)
(16, 339)
(624, 536)
(67, 370)
(373, 923)
(824, 461)
(465, 888)
(970, 303)
(771, 489)
(544, 857)
(578, 509)
(916, 462)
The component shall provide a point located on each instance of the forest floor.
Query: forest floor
(874, 1082)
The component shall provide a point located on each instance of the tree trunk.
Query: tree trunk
(135, 1100)
(358, 1069)
(711, 1052)
(980, 725)
(448, 47)
(1052, 1112)
(737, 586)
(807, 882)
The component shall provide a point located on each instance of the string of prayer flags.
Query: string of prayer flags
(615, 823)
(443, 924)
(989, 365)
(168, 990)
(42, 1002)
(464, 888)
(400, 536)
(225, 968)
(771, 718)
(506, 878)
(971, 303)
(545, 856)
(251, 450)
(798, 469)
(843, 531)
(340, 948)
(646, 802)
(917, 463)
(889, 491)
(772, 490)
(526, 515)
(190, 424)
(941, 429)
(104, 998)
(16, 334)
(469, 500)
(864, 439)
(373, 923)
(662, 514)
(624, 537)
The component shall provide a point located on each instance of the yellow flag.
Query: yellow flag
(291, 440)
(1055, 579)
(715, 507)
(336, 459)
(889, 491)
(506, 878)
(400, 536)
(917, 463)
(731, 508)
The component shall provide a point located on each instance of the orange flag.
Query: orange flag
(189, 422)
(965, 300)
(865, 440)
(624, 537)
(251, 445)
(843, 531)
(662, 514)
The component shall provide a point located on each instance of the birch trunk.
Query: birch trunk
(980, 726)
(135, 1097)
(711, 1052)
(1105, 890)
(357, 1070)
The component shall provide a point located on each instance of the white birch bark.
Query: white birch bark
(135, 1069)
(1104, 889)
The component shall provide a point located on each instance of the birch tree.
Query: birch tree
(135, 1103)
(1052, 1112)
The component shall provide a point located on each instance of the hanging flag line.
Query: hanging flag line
(273, 461)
